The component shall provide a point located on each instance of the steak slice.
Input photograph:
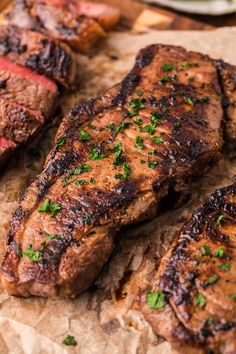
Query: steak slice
(227, 75)
(27, 88)
(196, 281)
(79, 32)
(6, 147)
(114, 159)
(39, 53)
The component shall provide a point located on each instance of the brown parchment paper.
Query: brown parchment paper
(102, 319)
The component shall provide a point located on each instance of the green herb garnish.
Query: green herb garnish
(61, 142)
(70, 340)
(213, 279)
(225, 266)
(84, 136)
(205, 99)
(153, 152)
(33, 255)
(156, 299)
(80, 182)
(168, 67)
(150, 129)
(111, 127)
(233, 296)
(157, 140)
(122, 127)
(127, 172)
(139, 143)
(165, 79)
(205, 250)
(87, 219)
(220, 252)
(152, 164)
(155, 117)
(117, 150)
(138, 121)
(200, 300)
(220, 219)
(48, 206)
(96, 155)
(189, 101)
(54, 236)
(75, 172)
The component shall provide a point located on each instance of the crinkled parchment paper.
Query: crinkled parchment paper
(102, 320)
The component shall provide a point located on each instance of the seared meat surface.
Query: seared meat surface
(192, 301)
(38, 53)
(27, 88)
(114, 159)
(78, 31)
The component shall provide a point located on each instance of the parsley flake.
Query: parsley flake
(48, 206)
(168, 67)
(200, 300)
(33, 255)
(87, 219)
(122, 127)
(156, 299)
(96, 155)
(70, 340)
(213, 279)
(220, 219)
(189, 101)
(127, 172)
(220, 252)
(155, 117)
(118, 151)
(225, 266)
(157, 140)
(84, 136)
(138, 121)
(165, 79)
(54, 236)
(61, 142)
(139, 143)
(150, 129)
(205, 251)
(152, 164)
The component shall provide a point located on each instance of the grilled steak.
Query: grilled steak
(113, 161)
(193, 298)
(227, 76)
(38, 53)
(79, 32)
(27, 88)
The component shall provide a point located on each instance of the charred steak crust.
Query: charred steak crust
(39, 53)
(197, 280)
(114, 159)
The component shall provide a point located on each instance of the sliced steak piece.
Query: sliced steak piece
(18, 123)
(196, 281)
(27, 88)
(6, 147)
(113, 161)
(79, 32)
(39, 53)
(227, 74)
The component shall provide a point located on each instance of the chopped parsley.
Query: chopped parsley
(61, 142)
(96, 155)
(153, 152)
(165, 79)
(152, 164)
(75, 172)
(225, 266)
(70, 120)
(91, 126)
(137, 103)
(80, 182)
(139, 143)
(139, 93)
(54, 236)
(155, 117)
(48, 206)
(189, 101)
(142, 162)
(205, 251)
(220, 219)
(111, 127)
(87, 219)
(122, 127)
(92, 180)
(233, 296)
(220, 252)
(200, 300)
(168, 67)
(117, 150)
(84, 136)
(127, 172)
(138, 121)
(156, 299)
(187, 65)
(70, 340)
(213, 279)
(33, 255)
(150, 129)
(205, 99)
(157, 140)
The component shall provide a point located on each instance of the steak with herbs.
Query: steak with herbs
(38, 53)
(78, 31)
(192, 301)
(114, 159)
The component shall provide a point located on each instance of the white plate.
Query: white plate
(204, 7)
